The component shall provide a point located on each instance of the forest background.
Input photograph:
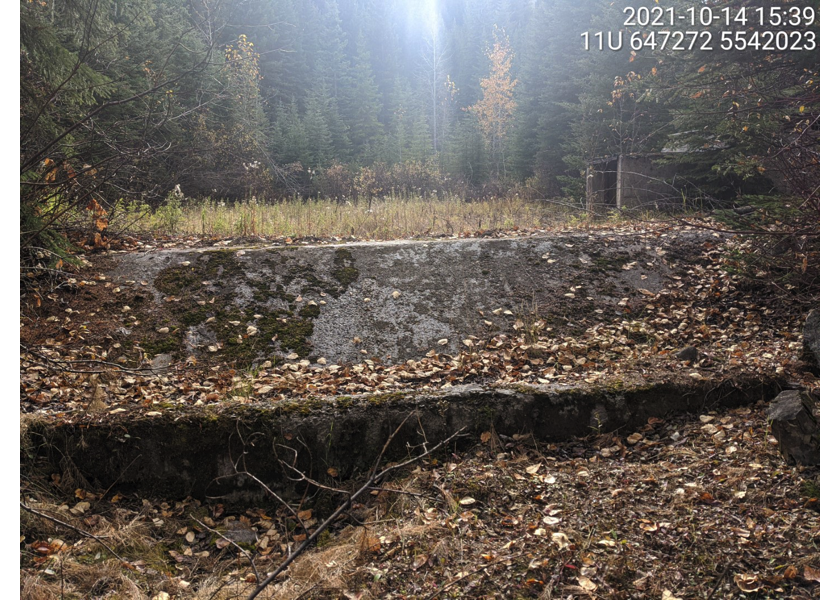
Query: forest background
(147, 102)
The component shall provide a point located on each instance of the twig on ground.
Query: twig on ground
(279, 499)
(717, 583)
(437, 593)
(240, 548)
(81, 532)
(375, 477)
(53, 362)
(105, 493)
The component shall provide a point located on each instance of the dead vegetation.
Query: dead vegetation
(694, 506)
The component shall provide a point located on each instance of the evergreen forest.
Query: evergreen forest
(145, 103)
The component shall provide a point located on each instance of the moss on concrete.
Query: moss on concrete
(345, 271)
(163, 345)
(378, 399)
(610, 262)
(230, 313)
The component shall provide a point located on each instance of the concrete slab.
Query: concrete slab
(398, 300)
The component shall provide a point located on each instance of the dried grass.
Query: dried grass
(73, 579)
(387, 218)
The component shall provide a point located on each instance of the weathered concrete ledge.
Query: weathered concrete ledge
(388, 300)
(198, 452)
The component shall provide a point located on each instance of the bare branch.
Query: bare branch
(240, 548)
(374, 478)
(65, 365)
(74, 528)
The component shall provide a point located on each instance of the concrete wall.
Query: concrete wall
(632, 181)
(601, 185)
(398, 301)
(641, 183)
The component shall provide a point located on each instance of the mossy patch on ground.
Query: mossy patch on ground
(610, 262)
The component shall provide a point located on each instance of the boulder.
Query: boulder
(811, 341)
(795, 426)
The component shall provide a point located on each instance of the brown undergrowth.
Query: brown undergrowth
(690, 506)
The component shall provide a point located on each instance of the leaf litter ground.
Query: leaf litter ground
(690, 508)
(739, 327)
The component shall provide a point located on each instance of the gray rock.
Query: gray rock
(239, 533)
(811, 341)
(161, 362)
(688, 353)
(792, 421)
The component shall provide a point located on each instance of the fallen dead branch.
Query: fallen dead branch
(81, 532)
(376, 476)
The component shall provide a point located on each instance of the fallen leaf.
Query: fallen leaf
(747, 582)
(561, 539)
(587, 584)
(80, 508)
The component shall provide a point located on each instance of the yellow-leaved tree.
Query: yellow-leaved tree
(496, 107)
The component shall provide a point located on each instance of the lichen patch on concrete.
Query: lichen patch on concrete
(395, 301)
